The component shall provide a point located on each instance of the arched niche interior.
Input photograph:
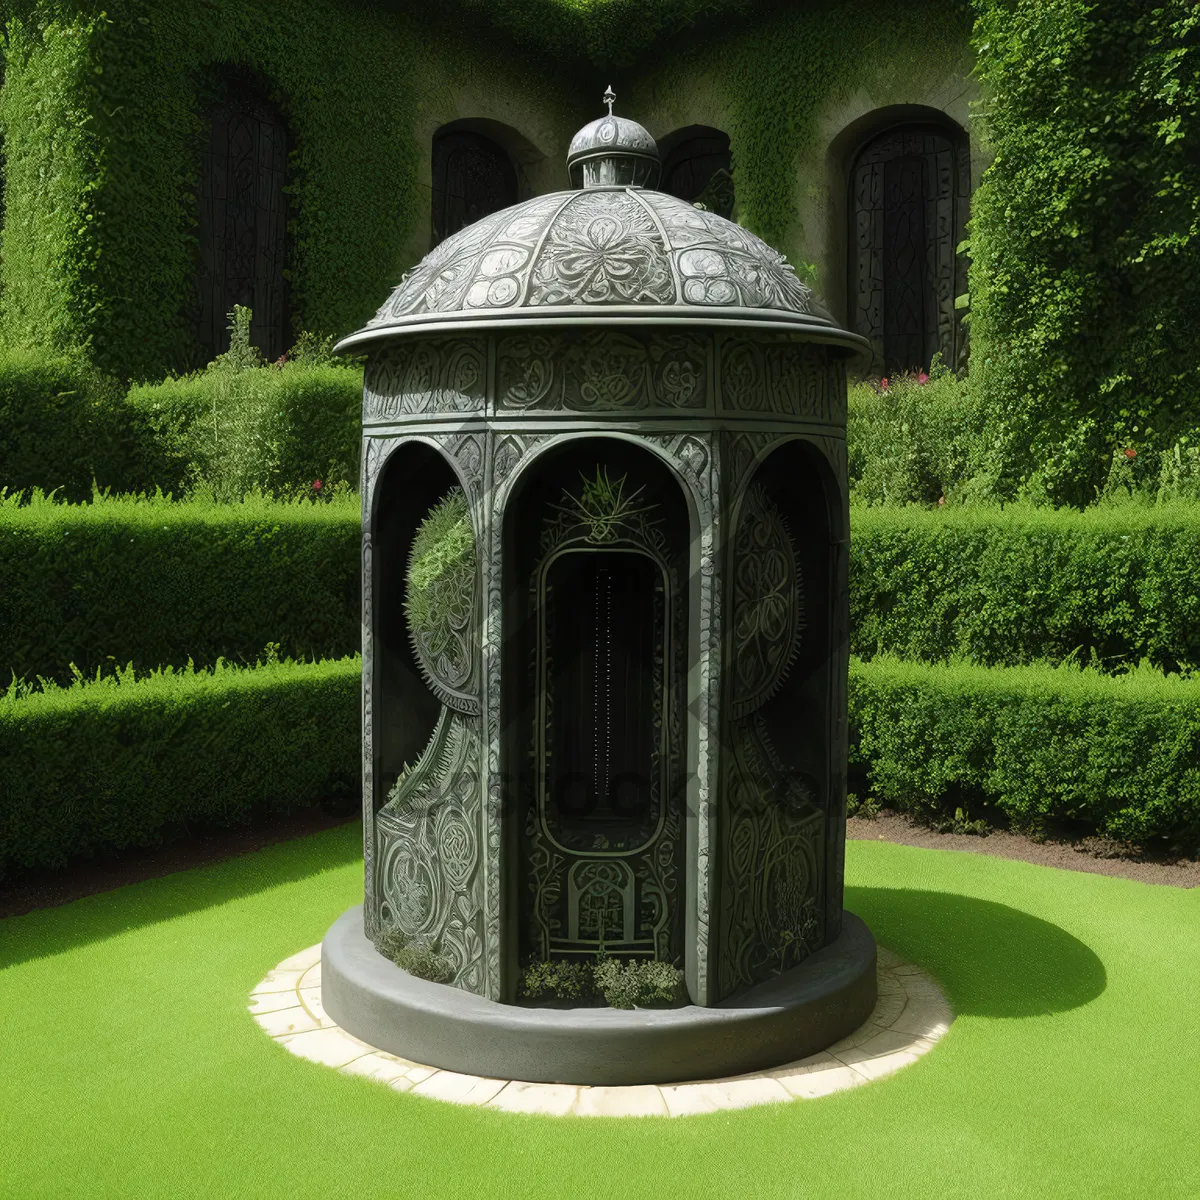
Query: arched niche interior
(697, 166)
(596, 543)
(475, 172)
(415, 478)
(908, 189)
(779, 783)
(242, 226)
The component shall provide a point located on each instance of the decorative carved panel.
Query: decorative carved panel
(780, 377)
(419, 376)
(243, 222)
(601, 371)
(909, 192)
(472, 178)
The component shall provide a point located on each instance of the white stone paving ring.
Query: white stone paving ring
(911, 1015)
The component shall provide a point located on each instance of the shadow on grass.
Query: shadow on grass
(50, 931)
(992, 960)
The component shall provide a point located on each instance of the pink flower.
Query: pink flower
(1131, 453)
(922, 378)
(883, 383)
(316, 485)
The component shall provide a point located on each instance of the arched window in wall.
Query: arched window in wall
(472, 176)
(909, 187)
(243, 220)
(697, 167)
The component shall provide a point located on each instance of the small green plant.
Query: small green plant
(417, 956)
(603, 506)
(441, 572)
(866, 809)
(242, 354)
(960, 824)
(560, 979)
(638, 984)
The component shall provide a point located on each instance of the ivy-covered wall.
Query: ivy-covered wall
(102, 114)
(1085, 283)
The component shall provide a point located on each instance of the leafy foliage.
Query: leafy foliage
(126, 757)
(1084, 234)
(571, 981)
(417, 956)
(638, 983)
(156, 582)
(1031, 745)
(441, 571)
(1109, 586)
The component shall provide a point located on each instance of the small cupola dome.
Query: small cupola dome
(613, 151)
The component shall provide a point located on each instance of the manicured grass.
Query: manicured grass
(130, 1066)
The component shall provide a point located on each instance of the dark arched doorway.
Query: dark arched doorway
(472, 177)
(908, 191)
(698, 168)
(243, 219)
(597, 539)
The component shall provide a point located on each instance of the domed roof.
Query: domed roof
(598, 255)
(611, 252)
(614, 137)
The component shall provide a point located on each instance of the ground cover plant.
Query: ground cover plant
(1072, 1068)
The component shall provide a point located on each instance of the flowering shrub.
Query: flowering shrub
(912, 438)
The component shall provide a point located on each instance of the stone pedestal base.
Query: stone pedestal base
(797, 1014)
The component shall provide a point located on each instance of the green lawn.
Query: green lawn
(130, 1066)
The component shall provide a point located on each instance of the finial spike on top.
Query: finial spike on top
(609, 97)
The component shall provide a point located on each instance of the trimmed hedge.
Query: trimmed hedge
(63, 423)
(1015, 585)
(1037, 744)
(158, 583)
(278, 428)
(100, 766)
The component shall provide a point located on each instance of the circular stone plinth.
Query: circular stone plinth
(794, 1015)
(910, 1015)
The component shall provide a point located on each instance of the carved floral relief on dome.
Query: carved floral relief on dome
(604, 248)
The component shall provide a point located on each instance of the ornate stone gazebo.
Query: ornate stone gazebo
(604, 640)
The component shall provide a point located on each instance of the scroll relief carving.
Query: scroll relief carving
(443, 375)
(429, 882)
(601, 371)
(772, 825)
(781, 378)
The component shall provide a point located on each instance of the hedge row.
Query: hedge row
(1118, 754)
(1016, 585)
(105, 765)
(156, 583)
(998, 587)
(100, 766)
(279, 428)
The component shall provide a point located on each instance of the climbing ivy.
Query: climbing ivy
(1085, 293)
(103, 117)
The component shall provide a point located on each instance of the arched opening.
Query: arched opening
(698, 167)
(243, 217)
(908, 190)
(473, 175)
(414, 479)
(779, 782)
(597, 539)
